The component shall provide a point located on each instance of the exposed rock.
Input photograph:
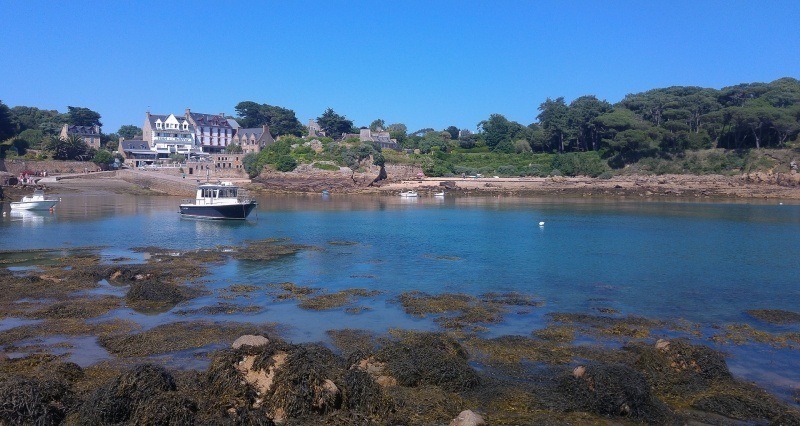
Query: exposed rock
(579, 371)
(250, 340)
(468, 418)
(662, 345)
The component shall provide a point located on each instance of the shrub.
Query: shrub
(285, 163)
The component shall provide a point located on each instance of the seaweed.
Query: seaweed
(677, 368)
(78, 308)
(627, 326)
(515, 349)
(306, 382)
(335, 300)
(613, 390)
(291, 291)
(153, 296)
(775, 316)
(28, 400)
(221, 308)
(351, 341)
(176, 337)
(418, 359)
(117, 402)
(267, 250)
(167, 408)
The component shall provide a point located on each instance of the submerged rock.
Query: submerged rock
(250, 340)
(468, 418)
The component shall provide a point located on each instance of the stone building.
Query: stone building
(89, 134)
(136, 153)
(253, 140)
(382, 138)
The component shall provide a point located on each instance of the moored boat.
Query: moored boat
(36, 201)
(409, 194)
(222, 200)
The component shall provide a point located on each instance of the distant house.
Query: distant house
(253, 140)
(314, 129)
(212, 132)
(169, 134)
(382, 138)
(137, 153)
(89, 134)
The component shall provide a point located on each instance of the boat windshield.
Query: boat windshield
(219, 192)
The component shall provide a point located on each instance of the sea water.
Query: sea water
(703, 262)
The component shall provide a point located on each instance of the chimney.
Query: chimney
(187, 112)
(222, 114)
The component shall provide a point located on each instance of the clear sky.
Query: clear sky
(431, 63)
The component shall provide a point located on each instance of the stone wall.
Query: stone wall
(53, 167)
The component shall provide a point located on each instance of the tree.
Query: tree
(48, 121)
(6, 126)
(498, 131)
(33, 137)
(251, 165)
(334, 124)
(69, 148)
(79, 116)
(281, 121)
(398, 132)
(103, 158)
(377, 125)
(129, 131)
(453, 130)
(553, 119)
(234, 149)
(580, 119)
(379, 160)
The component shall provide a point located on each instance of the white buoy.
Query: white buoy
(541, 223)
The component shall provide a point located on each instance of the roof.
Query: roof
(209, 120)
(134, 145)
(83, 130)
(163, 118)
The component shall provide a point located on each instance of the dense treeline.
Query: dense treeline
(659, 121)
(586, 136)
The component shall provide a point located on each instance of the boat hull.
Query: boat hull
(238, 211)
(34, 205)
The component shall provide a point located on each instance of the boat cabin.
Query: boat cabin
(224, 192)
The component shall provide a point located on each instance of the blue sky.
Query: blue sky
(422, 63)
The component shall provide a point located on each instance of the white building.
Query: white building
(212, 132)
(169, 134)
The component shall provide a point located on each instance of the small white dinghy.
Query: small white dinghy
(37, 201)
(409, 194)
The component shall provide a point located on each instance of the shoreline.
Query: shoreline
(755, 186)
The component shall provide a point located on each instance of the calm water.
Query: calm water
(702, 262)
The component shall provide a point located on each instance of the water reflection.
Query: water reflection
(32, 218)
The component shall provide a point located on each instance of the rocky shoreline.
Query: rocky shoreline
(750, 186)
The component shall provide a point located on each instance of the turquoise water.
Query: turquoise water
(702, 262)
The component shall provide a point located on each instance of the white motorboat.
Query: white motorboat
(37, 201)
(409, 194)
(439, 194)
(222, 200)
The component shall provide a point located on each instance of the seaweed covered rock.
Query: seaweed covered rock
(169, 408)
(363, 394)
(613, 390)
(130, 391)
(282, 380)
(25, 400)
(157, 296)
(306, 382)
(428, 359)
(678, 368)
(746, 402)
